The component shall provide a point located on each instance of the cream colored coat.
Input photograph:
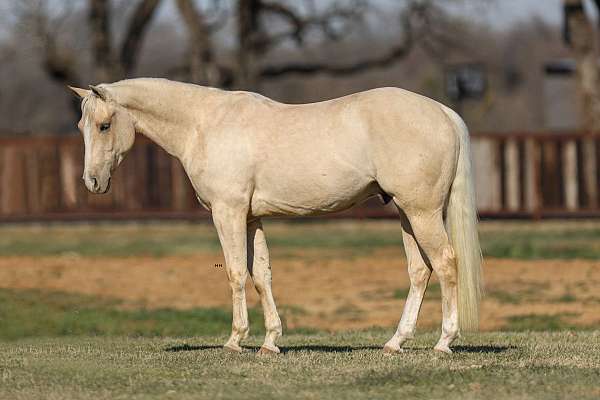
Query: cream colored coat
(250, 157)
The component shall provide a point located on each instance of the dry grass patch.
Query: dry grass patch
(345, 365)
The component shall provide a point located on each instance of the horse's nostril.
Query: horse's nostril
(94, 183)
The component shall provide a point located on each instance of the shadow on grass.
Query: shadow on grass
(346, 349)
(327, 349)
(349, 349)
(187, 347)
(284, 349)
(482, 349)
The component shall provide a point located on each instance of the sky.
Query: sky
(503, 13)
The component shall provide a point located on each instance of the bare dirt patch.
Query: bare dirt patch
(316, 289)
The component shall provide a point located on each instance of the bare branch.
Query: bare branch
(326, 21)
(215, 16)
(298, 24)
(339, 70)
(396, 53)
(420, 22)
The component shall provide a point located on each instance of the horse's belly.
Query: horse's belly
(310, 198)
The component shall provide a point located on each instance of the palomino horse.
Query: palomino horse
(250, 157)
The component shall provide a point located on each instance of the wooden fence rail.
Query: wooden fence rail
(521, 175)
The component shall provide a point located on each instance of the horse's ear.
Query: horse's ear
(100, 92)
(81, 93)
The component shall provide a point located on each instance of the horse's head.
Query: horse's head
(108, 133)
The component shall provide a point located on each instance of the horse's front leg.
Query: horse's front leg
(260, 270)
(230, 222)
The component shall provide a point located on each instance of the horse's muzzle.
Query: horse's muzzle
(97, 185)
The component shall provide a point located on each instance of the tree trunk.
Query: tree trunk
(136, 28)
(249, 32)
(99, 18)
(202, 68)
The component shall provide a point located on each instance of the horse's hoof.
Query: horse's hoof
(232, 348)
(443, 349)
(267, 351)
(392, 350)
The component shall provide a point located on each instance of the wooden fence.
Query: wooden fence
(517, 175)
(537, 174)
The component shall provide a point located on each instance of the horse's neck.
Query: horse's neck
(167, 134)
(167, 114)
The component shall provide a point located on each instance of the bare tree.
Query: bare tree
(202, 65)
(581, 35)
(60, 62)
(417, 19)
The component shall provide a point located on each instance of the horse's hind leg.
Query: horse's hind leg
(260, 271)
(431, 236)
(419, 273)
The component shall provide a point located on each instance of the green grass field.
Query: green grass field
(56, 345)
(522, 240)
(345, 366)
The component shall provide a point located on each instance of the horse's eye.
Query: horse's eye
(104, 127)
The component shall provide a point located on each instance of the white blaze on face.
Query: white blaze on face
(96, 172)
(85, 127)
(87, 140)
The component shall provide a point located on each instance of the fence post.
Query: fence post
(69, 174)
(571, 186)
(590, 170)
(513, 192)
(532, 176)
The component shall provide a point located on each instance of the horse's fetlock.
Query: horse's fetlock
(406, 335)
(276, 328)
(243, 331)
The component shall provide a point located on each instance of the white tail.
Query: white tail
(461, 224)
